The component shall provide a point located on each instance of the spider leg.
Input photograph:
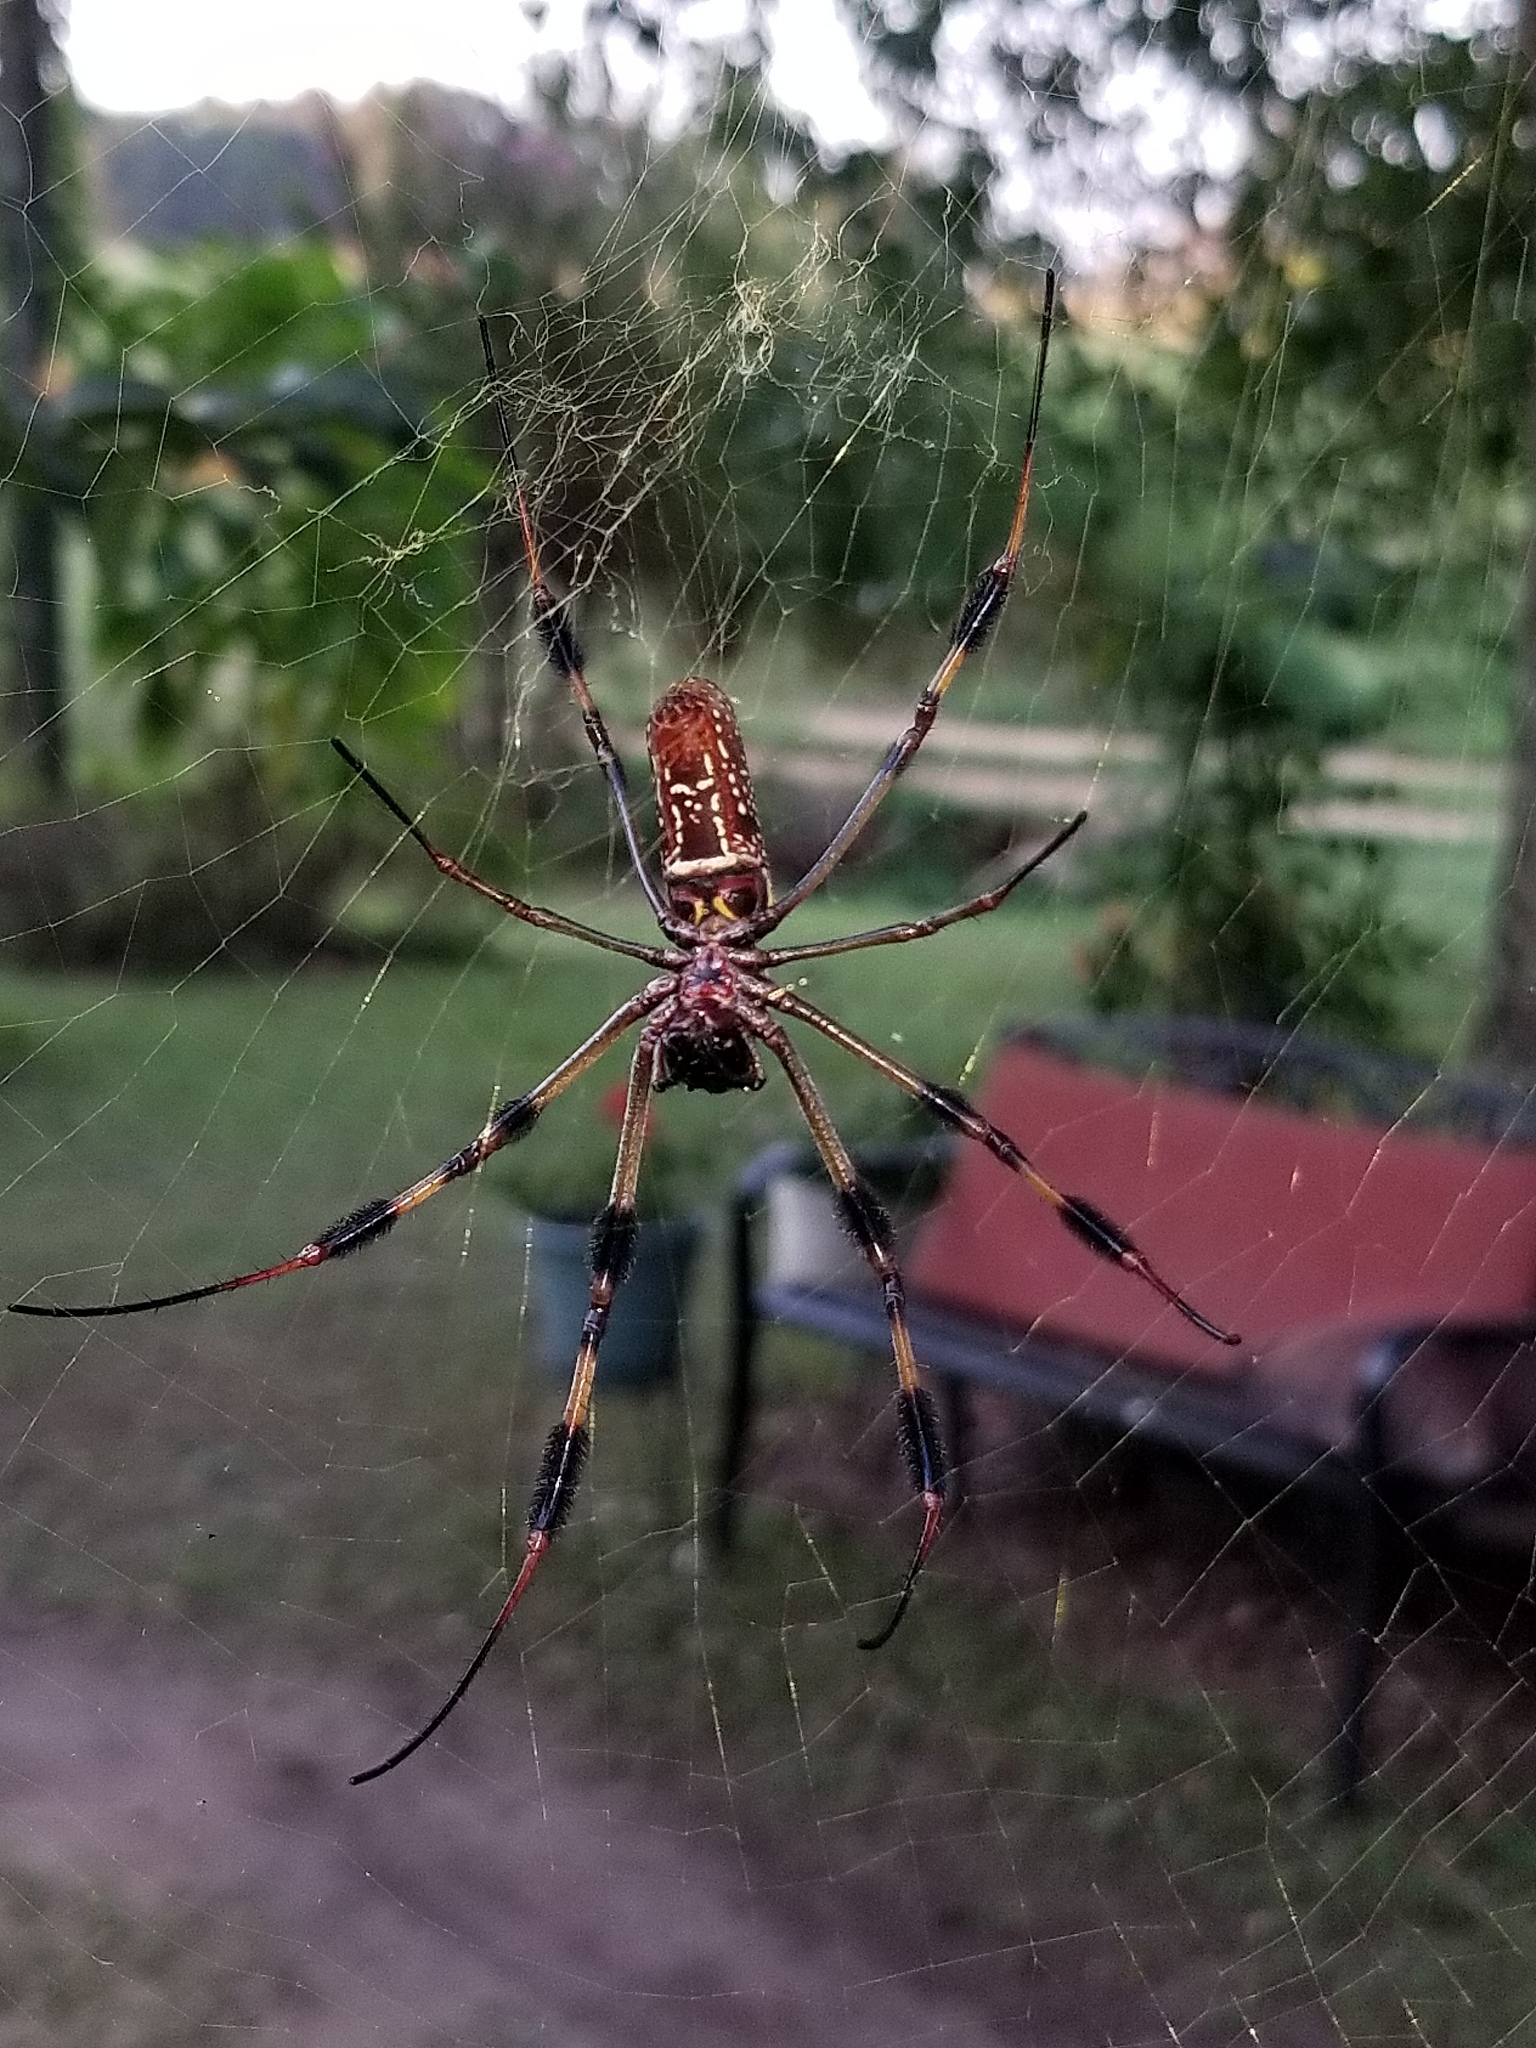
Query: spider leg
(530, 913)
(551, 621)
(374, 1219)
(917, 1425)
(1087, 1224)
(924, 927)
(978, 615)
(565, 1452)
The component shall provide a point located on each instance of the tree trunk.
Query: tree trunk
(1509, 1027)
(28, 179)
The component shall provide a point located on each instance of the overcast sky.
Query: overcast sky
(149, 56)
(146, 56)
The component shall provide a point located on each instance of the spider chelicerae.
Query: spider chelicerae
(711, 1006)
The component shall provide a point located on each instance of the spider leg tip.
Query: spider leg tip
(933, 1517)
(1204, 1323)
(883, 1635)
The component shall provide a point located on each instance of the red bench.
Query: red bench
(1382, 1272)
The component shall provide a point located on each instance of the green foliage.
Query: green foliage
(277, 530)
(1384, 228)
(771, 387)
(1370, 355)
(1225, 915)
(758, 386)
(761, 394)
(1324, 534)
(1224, 907)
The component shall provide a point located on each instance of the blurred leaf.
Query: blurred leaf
(266, 565)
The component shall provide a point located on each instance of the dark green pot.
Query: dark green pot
(642, 1346)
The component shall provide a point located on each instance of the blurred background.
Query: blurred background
(766, 281)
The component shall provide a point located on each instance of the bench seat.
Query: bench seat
(1368, 1226)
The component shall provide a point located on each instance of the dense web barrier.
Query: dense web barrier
(769, 416)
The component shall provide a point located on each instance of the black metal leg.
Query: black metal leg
(1357, 1678)
(1373, 1585)
(740, 1392)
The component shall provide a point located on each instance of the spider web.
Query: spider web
(770, 415)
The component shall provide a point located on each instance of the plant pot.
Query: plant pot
(642, 1344)
(807, 1246)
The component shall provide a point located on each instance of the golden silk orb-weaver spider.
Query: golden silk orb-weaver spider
(712, 1004)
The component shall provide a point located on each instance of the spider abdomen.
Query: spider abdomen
(712, 856)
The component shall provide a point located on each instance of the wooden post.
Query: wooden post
(30, 273)
(1509, 1021)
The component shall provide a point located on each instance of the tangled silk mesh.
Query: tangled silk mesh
(249, 1541)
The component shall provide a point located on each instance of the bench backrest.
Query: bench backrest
(1269, 1220)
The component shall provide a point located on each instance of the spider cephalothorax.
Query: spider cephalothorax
(711, 1004)
(701, 1040)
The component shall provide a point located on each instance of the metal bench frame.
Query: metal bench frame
(1211, 1424)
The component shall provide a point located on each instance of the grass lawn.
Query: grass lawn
(337, 1466)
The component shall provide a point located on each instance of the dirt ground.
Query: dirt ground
(183, 1861)
(483, 1898)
